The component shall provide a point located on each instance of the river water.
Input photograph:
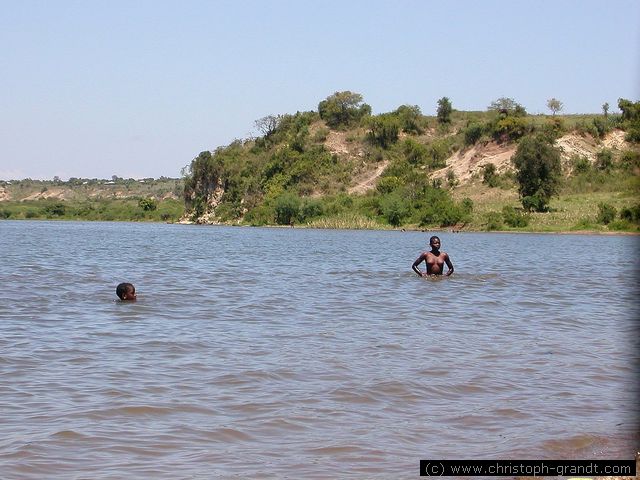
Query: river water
(300, 353)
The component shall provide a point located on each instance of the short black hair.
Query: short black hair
(123, 288)
(433, 238)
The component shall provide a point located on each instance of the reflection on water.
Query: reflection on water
(307, 353)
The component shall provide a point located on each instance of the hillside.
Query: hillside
(403, 169)
(342, 167)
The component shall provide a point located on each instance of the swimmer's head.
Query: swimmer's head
(433, 241)
(126, 291)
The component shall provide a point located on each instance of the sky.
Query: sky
(138, 88)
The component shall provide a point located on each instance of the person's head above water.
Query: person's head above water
(434, 242)
(126, 291)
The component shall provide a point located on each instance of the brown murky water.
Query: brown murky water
(289, 353)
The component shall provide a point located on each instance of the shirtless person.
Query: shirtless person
(435, 260)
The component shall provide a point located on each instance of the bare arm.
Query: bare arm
(447, 260)
(418, 261)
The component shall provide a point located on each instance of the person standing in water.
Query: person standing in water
(434, 259)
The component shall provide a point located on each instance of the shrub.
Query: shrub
(467, 205)
(473, 133)
(513, 218)
(604, 159)
(388, 184)
(261, 215)
(4, 213)
(287, 207)
(601, 127)
(451, 178)
(510, 128)
(410, 118)
(630, 160)
(147, 204)
(384, 130)
(534, 203)
(489, 176)
(631, 214)
(580, 164)
(310, 209)
(606, 213)
(55, 210)
(395, 209)
(494, 221)
(414, 152)
(321, 135)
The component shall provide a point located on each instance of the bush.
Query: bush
(630, 160)
(580, 164)
(287, 207)
(631, 214)
(261, 215)
(451, 178)
(467, 205)
(310, 209)
(410, 118)
(606, 213)
(534, 203)
(513, 218)
(604, 159)
(473, 133)
(489, 176)
(384, 130)
(510, 128)
(55, 210)
(415, 153)
(4, 213)
(601, 127)
(388, 184)
(395, 209)
(147, 204)
(494, 221)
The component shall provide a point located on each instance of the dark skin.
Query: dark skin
(434, 259)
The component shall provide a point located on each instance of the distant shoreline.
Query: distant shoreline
(419, 230)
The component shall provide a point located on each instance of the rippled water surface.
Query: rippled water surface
(293, 353)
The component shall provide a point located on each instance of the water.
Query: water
(293, 353)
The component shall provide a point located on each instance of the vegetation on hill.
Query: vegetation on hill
(344, 167)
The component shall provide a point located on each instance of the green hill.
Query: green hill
(342, 167)
(345, 168)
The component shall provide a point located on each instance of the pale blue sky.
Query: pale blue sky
(138, 88)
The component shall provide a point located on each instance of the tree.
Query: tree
(538, 171)
(507, 106)
(343, 109)
(444, 110)
(268, 125)
(605, 109)
(554, 105)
